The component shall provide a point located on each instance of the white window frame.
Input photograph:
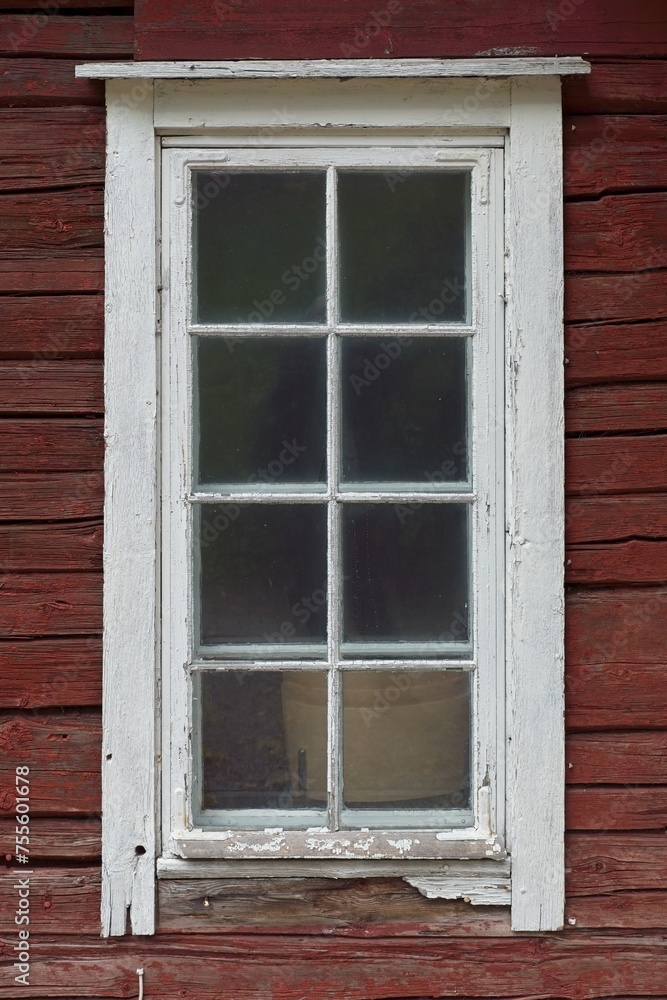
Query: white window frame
(474, 102)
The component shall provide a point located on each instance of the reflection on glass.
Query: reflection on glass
(406, 572)
(262, 573)
(403, 246)
(261, 410)
(404, 410)
(263, 740)
(406, 739)
(259, 247)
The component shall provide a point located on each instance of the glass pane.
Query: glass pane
(259, 247)
(261, 409)
(406, 572)
(403, 246)
(263, 740)
(263, 573)
(404, 410)
(406, 739)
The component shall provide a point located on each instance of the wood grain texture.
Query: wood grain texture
(635, 562)
(633, 86)
(61, 899)
(53, 496)
(71, 545)
(615, 518)
(40, 387)
(604, 863)
(82, 37)
(57, 445)
(51, 147)
(626, 807)
(618, 233)
(68, 220)
(50, 604)
(30, 275)
(635, 910)
(604, 153)
(57, 839)
(628, 407)
(51, 673)
(167, 29)
(45, 327)
(617, 758)
(623, 626)
(616, 298)
(612, 353)
(600, 466)
(615, 696)
(26, 83)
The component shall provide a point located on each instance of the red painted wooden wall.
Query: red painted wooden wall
(355, 941)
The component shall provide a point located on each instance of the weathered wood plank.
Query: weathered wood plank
(617, 758)
(51, 147)
(381, 906)
(619, 298)
(617, 233)
(57, 839)
(628, 807)
(50, 604)
(44, 387)
(616, 696)
(60, 901)
(71, 545)
(615, 518)
(46, 327)
(67, 220)
(168, 29)
(53, 496)
(31, 275)
(623, 626)
(28, 83)
(60, 445)
(634, 910)
(603, 863)
(601, 466)
(604, 153)
(615, 353)
(51, 673)
(41, 34)
(630, 407)
(600, 564)
(634, 86)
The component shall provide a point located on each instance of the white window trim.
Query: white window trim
(527, 109)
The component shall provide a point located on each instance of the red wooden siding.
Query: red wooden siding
(311, 939)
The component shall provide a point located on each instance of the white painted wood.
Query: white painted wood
(480, 890)
(348, 68)
(487, 869)
(130, 514)
(535, 652)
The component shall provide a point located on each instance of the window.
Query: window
(335, 479)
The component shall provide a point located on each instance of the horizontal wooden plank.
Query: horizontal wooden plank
(34, 275)
(47, 34)
(616, 758)
(60, 901)
(616, 696)
(51, 147)
(603, 863)
(615, 518)
(374, 907)
(63, 752)
(70, 545)
(634, 86)
(169, 29)
(622, 626)
(627, 807)
(604, 153)
(627, 407)
(300, 967)
(46, 327)
(634, 910)
(55, 839)
(54, 445)
(67, 220)
(600, 564)
(51, 673)
(28, 83)
(53, 496)
(44, 387)
(617, 298)
(608, 353)
(50, 604)
(617, 233)
(600, 466)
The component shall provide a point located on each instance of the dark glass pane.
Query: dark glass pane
(404, 410)
(263, 573)
(264, 745)
(403, 248)
(262, 410)
(259, 247)
(406, 572)
(406, 739)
